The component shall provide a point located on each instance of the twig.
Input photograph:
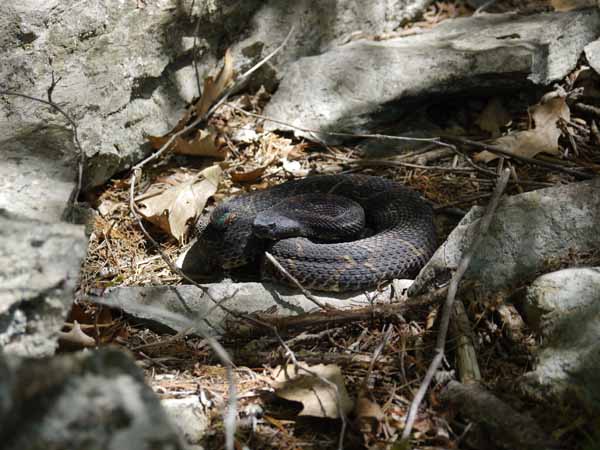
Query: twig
(435, 140)
(503, 152)
(383, 162)
(590, 109)
(293, 279)
(386, 337)
(239, 82)
(465, 260)
(483, 7)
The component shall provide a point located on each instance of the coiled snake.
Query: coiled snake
(401, 223)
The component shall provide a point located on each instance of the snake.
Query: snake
(342, 232)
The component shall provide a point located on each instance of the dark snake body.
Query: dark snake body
(402, 223)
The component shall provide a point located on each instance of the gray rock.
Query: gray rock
(363, 85)
(592, 53)
(526, 232)
(189, 416)
(127, 71)
(175, 306)
(85, 401)
(565, 307)
(38, 171)
(39, 268)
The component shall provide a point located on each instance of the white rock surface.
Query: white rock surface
(565, 308)
(175, 306)
(39, 269)
(83, 401)
(364, 85)
(526, 231)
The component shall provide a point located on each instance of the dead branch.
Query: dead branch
(332, 318)
(468, 368)
(484, 224)
(503, 152)
(506, 427)
(434, 140)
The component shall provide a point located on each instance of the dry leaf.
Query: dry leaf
(317, 397)
(213, 89)
(570, 5)
(173, 208)
(77, 337)
(543, 138)
(200, 144)
(368, 412)
(248, 177)
(204, 143)
(493, 116)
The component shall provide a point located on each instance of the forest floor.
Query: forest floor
(384, 384)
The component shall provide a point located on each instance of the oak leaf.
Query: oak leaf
(543, 137)
(174, 207)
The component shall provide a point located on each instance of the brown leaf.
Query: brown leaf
(211, 92)
(543, 138)
(317, 397)
(368, 413)
(173, 208)
(570, 5)
(248, 177)
(213, 89)
(204, 143)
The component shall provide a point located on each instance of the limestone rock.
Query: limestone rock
(527, 231)
(85, 401)
(175, 306)
(39, 268)
(565, 308)
(126, 67)
(364, 85)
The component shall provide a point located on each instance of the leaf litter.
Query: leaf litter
(119, 255)
(544, 132)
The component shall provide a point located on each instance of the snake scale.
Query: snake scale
(402, 239)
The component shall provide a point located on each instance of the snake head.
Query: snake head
(275, 227)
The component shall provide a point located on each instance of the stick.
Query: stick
(503, 152)
(484, 225)
(293, 279)
(435, 140)
(333, 318)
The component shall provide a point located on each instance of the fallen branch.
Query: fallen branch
(484, 225)
(466, 356)
(331, 318)
(503, 152)
(506, 427)
(434, 140)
